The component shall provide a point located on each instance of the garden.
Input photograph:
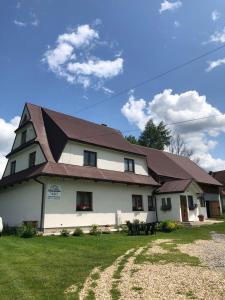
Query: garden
(45, 267)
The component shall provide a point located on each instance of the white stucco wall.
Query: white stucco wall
(106, 159)
(175, 212)
(30, 135)
(19, 203)
(108, 198)
(22, 158)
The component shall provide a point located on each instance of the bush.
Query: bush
(27, 231)
(123, 228)
(168, 226)
(95, 230)
(64, 232)
(9, 230)
(106, 229)
(78, 232)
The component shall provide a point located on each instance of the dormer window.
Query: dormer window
(32, 158)
(90, 158)
(128, 165)
(13, 167)
(24, 119)
(23, 137)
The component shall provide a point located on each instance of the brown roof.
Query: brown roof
(170, 165)
(92, 133)
(174, 186)
(72, 171)
(220, 176)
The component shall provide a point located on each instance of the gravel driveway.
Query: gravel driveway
(160, 279)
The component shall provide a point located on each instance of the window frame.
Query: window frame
(90, 207)
(87, 163)
(30, 165)
(127, 165)
(13, 167)
(23, 137)
(134, 205)
(166, 203)
(153, 206)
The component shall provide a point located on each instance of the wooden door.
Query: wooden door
(214, 209)
(184, 211)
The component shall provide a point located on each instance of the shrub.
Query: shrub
(123, 228)
(106, 229)
(9, 230)
(168, 226)
(78, 232)
(95, 230)
(27, 231)
(64, 232)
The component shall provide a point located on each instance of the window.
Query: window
(23, 137)
(190, 201)
(166, 204)
(151, 203)
(84, 201)
(32, 157)
(202, 202)
(90, 158)
(191, 204)
(137, 203)
(13, 167)
(128, 165)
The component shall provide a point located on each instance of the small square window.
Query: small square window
(166, 204)
(84, 201)
(137, 203)
(32, 158)
(23, 137)
(13, 167)
(151, 203)
(90, 158)
(128, 165)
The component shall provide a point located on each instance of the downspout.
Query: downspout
(42, 204)
(156, 207)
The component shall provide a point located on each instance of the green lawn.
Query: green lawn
(43, 267)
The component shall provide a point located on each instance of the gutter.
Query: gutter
(42, 204)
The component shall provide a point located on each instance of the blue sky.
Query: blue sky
(126, 42)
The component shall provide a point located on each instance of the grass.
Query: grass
(43, 267)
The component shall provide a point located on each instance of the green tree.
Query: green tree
(155, 136)
(132, 139)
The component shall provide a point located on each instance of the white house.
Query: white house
(64, 172)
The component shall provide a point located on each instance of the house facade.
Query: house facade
(220, 176)
(64, 172)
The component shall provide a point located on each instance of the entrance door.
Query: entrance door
(184, 211)
(214, 209)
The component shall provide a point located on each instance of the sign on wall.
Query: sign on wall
(54, 192)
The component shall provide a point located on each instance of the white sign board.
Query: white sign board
(54, 192)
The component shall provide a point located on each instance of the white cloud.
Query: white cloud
(166, 5)
(215, 15)
(200, 135)
(71, 59)
(215, 64)
(218, 37)
(6, 139)
(19, 23)
(34, 20)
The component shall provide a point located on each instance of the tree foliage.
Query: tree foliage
(132, 139)
(155, 136)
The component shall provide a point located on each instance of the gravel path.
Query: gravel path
(171, 281)
(210, 252)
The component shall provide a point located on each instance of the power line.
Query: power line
(168, 124)
(141, 83)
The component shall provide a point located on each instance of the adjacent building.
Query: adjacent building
(64, 172)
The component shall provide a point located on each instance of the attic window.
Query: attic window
(23, 137)
(25, 118)
(13, 167)
(129, 165)
(90, 158)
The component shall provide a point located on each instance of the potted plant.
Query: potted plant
(201, 218)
